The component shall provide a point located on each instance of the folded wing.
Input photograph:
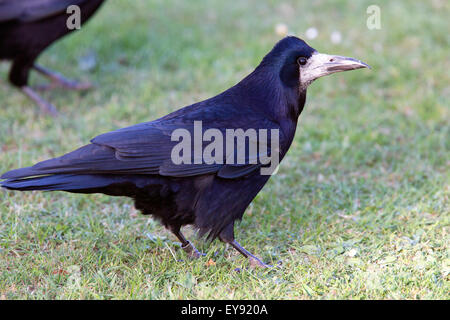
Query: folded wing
(145, 148)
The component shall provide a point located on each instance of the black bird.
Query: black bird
(137, 161)
(28, 27)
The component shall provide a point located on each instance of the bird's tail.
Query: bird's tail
(77, 170)
(63, 182)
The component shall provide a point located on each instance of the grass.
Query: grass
(358, 210)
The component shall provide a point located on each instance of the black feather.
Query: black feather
(135, 161)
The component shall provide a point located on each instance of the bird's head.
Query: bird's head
(299, 64)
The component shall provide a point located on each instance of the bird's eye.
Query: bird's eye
(302, 61)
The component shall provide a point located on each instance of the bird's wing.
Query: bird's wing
(33, 10)
(147, 148)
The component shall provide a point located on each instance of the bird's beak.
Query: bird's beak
(339, 63)
(320, 64)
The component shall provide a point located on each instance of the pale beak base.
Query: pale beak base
(320, 64)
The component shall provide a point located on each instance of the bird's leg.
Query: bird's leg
(58, 80)
(44, 105)
(227, 236)
(186, 245)
(254, 261)
(18, 76)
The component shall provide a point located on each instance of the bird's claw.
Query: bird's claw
(192, 251)
(256, 263)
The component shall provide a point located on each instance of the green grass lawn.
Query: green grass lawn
(358, 210)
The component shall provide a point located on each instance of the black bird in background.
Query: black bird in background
(28, 27)
(136, 161)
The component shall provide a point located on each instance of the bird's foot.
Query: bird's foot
(45, 106)
(257, 263)
(58, 80)
(66, 84)
(192, 251)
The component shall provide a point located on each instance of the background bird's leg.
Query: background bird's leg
(58, 80)
(227, 236)
(186, 245)
(18, 76)
(44, 105)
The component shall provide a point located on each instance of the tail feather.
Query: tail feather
(62, 182)
(20, 173)
(88, 159)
